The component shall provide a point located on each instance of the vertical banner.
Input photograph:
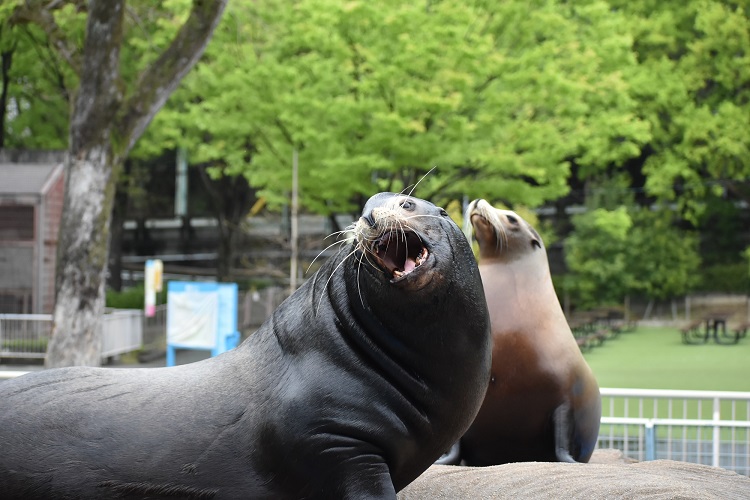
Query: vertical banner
(153, 277)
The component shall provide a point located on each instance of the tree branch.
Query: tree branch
(163, 76)
(98, 96)
(35, 12)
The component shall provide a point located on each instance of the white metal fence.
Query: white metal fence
(27, 335)
(122, 331)
(24, 335)
(705, 427)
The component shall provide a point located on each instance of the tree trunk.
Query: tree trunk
(231, 198)
(82, 261)
(115, 241)
(6, 58)
(89, 196)
(104, 127)
(226, 251)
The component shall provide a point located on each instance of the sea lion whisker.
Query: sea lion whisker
(334, 272)
(359, 286)
(401, 225)
(347, 229)
(421, 179)
(501, 238)
(425, 215)
(365, 254)
(340, 242)
(338, 234)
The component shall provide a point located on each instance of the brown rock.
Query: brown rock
(608, 477)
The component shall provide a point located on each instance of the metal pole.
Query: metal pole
(295, 222)
(650, 441)
(717, 433)
(181, 183)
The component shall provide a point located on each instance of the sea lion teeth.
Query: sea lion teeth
(393, 250)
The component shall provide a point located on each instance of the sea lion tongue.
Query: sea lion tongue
(400, 252)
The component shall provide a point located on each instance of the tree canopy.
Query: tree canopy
(500, 98)
(511, 101)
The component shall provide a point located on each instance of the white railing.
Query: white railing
(26, 335)
(122, 331)
(705, 427)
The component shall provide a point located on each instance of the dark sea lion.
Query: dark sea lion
(351, 389)
(543, 401)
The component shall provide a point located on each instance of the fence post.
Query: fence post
(650, 441)
(717, 433)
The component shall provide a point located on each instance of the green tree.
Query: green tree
(36, 80)
(614, 253)
(662, 259)
(108, 115)
(693, 86)
(596, 255)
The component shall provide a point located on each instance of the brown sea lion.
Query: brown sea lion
(342, 393)
(543, 401)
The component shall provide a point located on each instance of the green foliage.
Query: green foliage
(596, 255)
(131, 298)
(499, 97)
(614, 253)
(726, 278)
(692, 86)
(36, 114)
(662, 259)
(504, 98)
(24, 345)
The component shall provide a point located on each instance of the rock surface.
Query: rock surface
(609, 475)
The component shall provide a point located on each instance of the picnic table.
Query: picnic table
(713, 325)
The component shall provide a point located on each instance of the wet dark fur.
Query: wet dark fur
(351, 389)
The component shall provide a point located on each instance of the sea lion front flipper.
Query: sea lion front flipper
(357, 480)
(564, 428)
(452, 456)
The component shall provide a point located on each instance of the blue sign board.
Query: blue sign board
(201, 316)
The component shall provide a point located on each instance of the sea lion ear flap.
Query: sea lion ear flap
(537, 240)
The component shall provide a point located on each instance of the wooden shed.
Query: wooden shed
(31, 200)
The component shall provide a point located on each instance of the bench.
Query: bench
(740, 329)
(597, 338)
(693, 333)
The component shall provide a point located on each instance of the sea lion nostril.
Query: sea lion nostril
(368, 217)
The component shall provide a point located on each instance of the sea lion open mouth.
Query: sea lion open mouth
(399, 252)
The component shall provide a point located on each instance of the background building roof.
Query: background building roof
(27, 178)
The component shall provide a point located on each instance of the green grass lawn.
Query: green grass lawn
(656, 358)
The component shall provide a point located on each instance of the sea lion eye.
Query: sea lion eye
(407, 205)
(512, 219)
(443, 213)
